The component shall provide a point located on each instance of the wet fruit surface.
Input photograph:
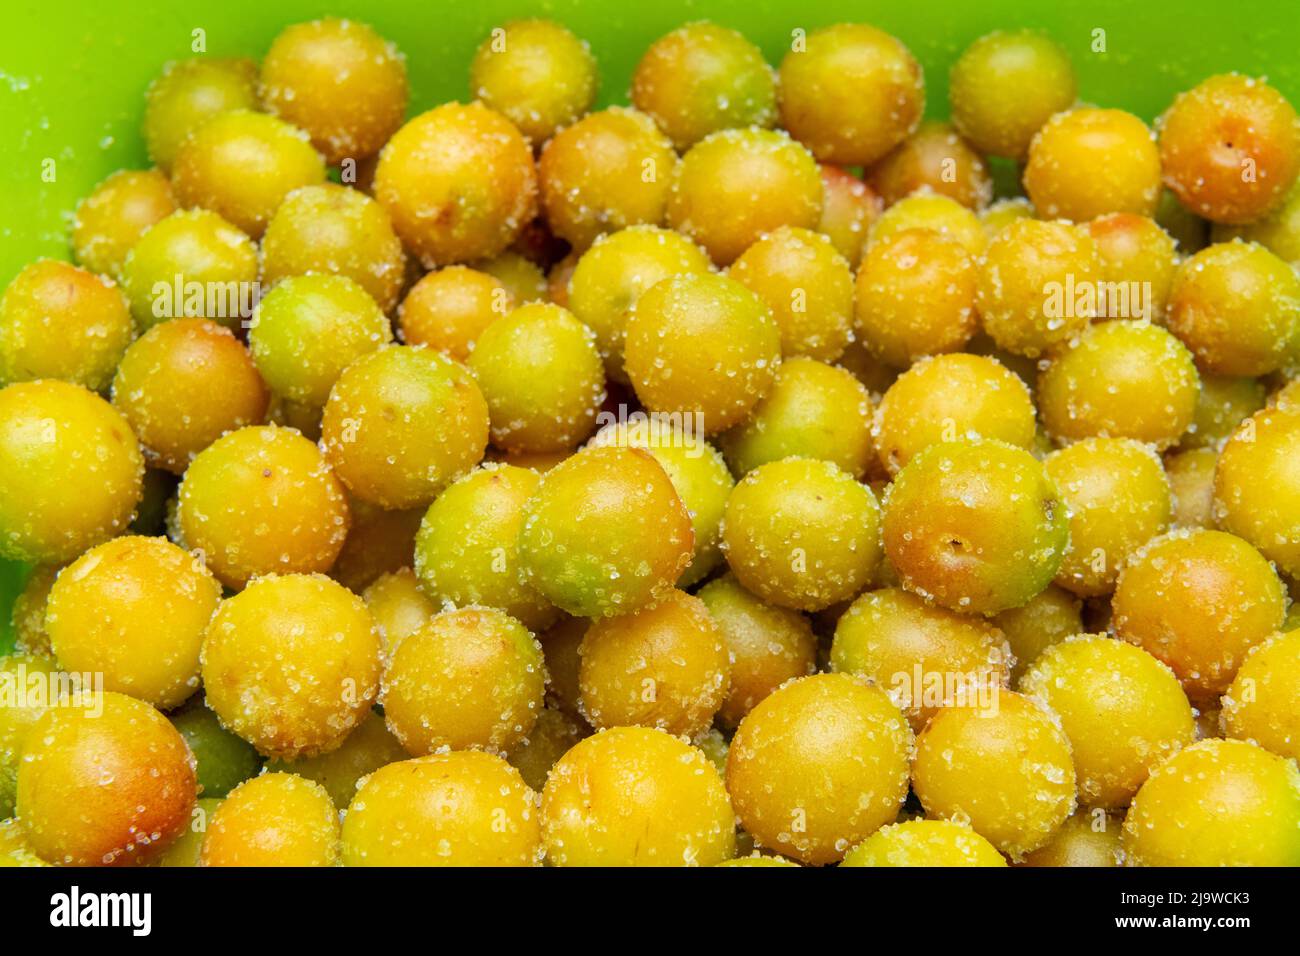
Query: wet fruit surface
(616, 271)
(467, 549)
(190, 92)
(605, 533)
(801, 533)
(1122, 711)
(1235, 805)
(70, 471)
(471, 678)
(767, 646)
(818, 765)
(975, 526)
(915, 296)
(274, 636)
(808, 286)
(1256, 706)
(105, 779)
(936, 158)
(260, 501)
(1006, 768)
(698, 473)
(633, 796)
(813, 410)
(1177, 583)
(424, 172)
(451, 809)
(947, 398)
(664, 666)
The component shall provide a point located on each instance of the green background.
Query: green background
(72, 71)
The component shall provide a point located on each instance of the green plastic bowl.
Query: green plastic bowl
(72, 72)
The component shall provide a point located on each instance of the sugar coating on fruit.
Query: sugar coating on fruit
(1199, 600)
(977, 526)
(924, 843)
(242, 164)
(401, 424)
(279, 634)
(1122, 710)
(468, 678)
(807, 285)
(104, 780)
(924, 656)
(276, 819)
(71, 471)
(802, 533)
(459, 183)
(818, 766)
(1006, 771)
(616, 271)
(338, 80)
(1217, 803)
(61, 322)
(605, 533)
(635, 796)
(608, 171)
(134, 610)
(767, 645)
(701, 78)
(1256, 487)
(813, 410)
(665, 666)
(339, 231)
(735, 185)
(542, 377)
(262, 500)
(698, 473)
